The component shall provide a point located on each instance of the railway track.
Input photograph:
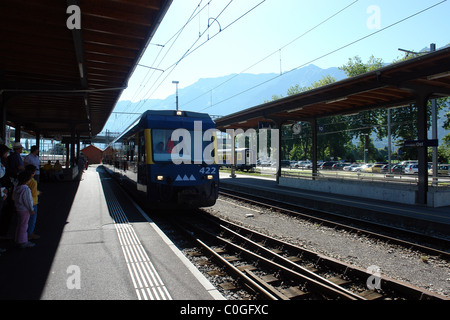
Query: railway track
(276, 270)
(426, 244)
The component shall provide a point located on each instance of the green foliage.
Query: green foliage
(335, 140)
(355, 66)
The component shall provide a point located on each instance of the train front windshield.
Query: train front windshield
(189, 147)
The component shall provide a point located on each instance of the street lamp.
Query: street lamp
(366, 135)
(176, 83)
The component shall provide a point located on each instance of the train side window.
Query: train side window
(142, 158)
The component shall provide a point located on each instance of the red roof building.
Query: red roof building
(92, 154)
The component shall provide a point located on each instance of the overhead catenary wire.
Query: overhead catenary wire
(193, 15)
(188, 52)
(329, 53)
(176, 36)
(277, 51)
(170, 69)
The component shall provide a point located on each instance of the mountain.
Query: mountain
(232, 93)
(227, 94)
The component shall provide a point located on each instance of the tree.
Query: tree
(404, 121)
(444, 149)
(329, 143)
(355, 66)
(366, 122)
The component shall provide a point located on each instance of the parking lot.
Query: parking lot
(400, 173)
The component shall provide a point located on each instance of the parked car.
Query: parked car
(327, 165)
(443, 169)
(264, 163)
(340, 165)
(398, 168)
(376, 168)
(285, 163)
(366, 167)
(356, 167)
(408, 162)
(348, 167)
(412, 169)
(304, 164)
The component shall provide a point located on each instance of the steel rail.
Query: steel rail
(273, 256)
(323, 288)
(333, 264)
(297, 212)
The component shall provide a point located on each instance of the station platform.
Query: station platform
(97, 244)
(404, 215)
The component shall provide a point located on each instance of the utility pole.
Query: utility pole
(176, 83)
(389, 140)
(433, 114)
(434, 127)
(366, 137)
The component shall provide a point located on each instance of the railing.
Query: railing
(410, 179)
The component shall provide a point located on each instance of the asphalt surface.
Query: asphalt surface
(80, 255)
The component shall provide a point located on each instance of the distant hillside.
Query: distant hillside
(227, 94)
(232, 93)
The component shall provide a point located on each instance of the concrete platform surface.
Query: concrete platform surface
(96, 244)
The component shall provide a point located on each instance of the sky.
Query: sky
(273, 36)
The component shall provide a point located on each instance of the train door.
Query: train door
(248, 159)
(142, 163)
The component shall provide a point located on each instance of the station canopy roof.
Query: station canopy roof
(55, 80)
(394, 85)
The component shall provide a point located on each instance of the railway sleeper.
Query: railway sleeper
(261, 281)
(295, 259)
(277, 259)
(339, 281)
(371, 295)
(232, 258)
(294, 293)
(229, 286)
(247, 267)
(355, 273)
(333, 292)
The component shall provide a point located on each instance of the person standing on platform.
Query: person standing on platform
(33, 158)
(32, 184)
(58, 171)
(24, 206)
(5, 184)
(15, 162)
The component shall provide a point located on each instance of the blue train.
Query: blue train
(168, 157)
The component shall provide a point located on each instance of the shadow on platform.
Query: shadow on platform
(23, 272)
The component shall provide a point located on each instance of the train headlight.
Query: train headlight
(209, 176)
(160, 178)
(179, 113)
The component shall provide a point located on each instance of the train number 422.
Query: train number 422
(208, 170)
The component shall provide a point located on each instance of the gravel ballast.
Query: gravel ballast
(394, 261)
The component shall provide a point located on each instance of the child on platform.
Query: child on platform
(32, 184)
(24, 207)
